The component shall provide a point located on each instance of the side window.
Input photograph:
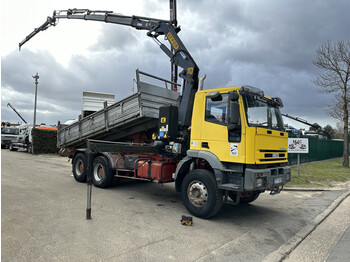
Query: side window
(216, 109)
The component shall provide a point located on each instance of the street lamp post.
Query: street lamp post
(36, 77)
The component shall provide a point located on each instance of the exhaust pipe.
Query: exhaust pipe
(200, 82)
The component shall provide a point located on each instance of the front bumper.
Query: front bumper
(5, 142)
(266, 179)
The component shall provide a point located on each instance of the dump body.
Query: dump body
(136, 113)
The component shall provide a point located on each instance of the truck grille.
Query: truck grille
(272, 155)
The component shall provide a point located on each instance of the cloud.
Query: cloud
(114, 38)
(267, 44)
(60, 88)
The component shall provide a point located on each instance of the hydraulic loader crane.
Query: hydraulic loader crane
(17, 112)
(316, 126)
(234, 146)
(155, 27)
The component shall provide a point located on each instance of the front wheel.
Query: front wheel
(200, 194)
(12, 148)
(102, 175)
(29, 149)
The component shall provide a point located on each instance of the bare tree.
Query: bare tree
(335, 110)
(333, 62)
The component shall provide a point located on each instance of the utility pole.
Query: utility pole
(36, 77)
(173, 20)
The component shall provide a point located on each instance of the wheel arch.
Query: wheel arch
(184, 165)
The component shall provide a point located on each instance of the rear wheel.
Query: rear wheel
(245, 197)
(79, 167)
(102, 175)
(200, 194)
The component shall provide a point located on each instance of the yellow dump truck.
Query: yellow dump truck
(219, 145)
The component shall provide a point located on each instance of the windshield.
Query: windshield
(262, 112)
(10, 131)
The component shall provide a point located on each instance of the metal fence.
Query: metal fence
(319, 149)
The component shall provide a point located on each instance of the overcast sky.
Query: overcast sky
(267, 44)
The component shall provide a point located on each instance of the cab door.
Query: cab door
(216, 137)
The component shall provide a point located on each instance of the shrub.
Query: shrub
(44, 141)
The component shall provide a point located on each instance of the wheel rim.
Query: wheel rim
(197, 193)
(79, 167)
(98, 172)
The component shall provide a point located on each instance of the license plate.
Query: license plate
(275, 155)
(277, 180)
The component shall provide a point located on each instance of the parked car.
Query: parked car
(7, 135)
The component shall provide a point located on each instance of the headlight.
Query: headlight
(259, 182)
(288, 176)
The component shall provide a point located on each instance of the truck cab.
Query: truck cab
(7, 135)
(237, 133)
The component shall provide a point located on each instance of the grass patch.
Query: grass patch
(320, 173)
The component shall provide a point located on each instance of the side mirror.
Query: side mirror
(234, 114)
(233, 96)
(278, 101)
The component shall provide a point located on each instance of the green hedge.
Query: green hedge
(44, 141)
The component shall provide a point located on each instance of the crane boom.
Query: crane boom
(316, 126)
(156, 27)
(17, 113)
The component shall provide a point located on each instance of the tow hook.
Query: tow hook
(276, 190)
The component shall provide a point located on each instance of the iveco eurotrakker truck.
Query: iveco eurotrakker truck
(214, 144)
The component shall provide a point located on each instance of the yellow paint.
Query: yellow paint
(190, 70)
(253, 140)
(172, 41)
(154, 136)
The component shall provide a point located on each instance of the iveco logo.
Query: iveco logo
(283, 148)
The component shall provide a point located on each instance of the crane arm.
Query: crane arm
(301, 121)
(17, 112)
(155, 27)
(49, 22)
(316, 126)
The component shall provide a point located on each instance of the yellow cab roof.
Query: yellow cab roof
(225, 90)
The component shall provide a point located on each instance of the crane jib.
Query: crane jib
(155, 27)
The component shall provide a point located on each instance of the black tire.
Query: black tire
(200, 194)
(246, 197)
(29, 149)
(79, 167)
(102, 174)
(12, 148)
